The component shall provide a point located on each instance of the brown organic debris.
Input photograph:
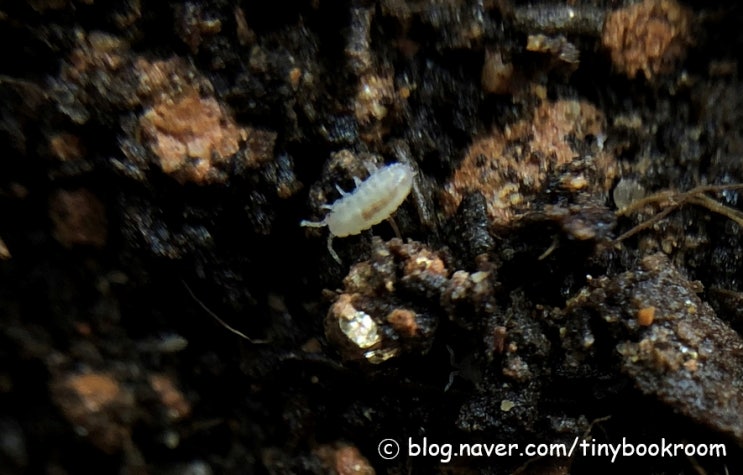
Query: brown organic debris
(245, 35)
(559, 46)
(4, 251)
(194, 138)
(193, 25)
(645, 316)
(375, 103)
(688, 358)
(403, 322)
(78, 218)
(175, 403)
(65, 147)
(649, 37)
(344, 459)
(96, 52)
(497, 73)
(97, 404)
(510, 167)
(375, 94)
(156, 80)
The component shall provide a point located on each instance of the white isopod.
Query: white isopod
(373, 201)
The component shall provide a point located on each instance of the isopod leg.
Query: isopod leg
(392, 222)
(370, 168)
(312, 224)
(330, 249)
(340, 190)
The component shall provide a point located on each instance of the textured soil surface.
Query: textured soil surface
(567, 267)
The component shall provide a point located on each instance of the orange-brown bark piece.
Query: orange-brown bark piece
(194, 138)
(649, 37)
(510, 166)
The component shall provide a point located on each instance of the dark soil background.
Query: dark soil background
(569, 264)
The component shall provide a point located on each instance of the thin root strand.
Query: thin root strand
(674, 200)
(219, 320)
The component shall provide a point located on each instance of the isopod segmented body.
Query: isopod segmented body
(373, 201)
